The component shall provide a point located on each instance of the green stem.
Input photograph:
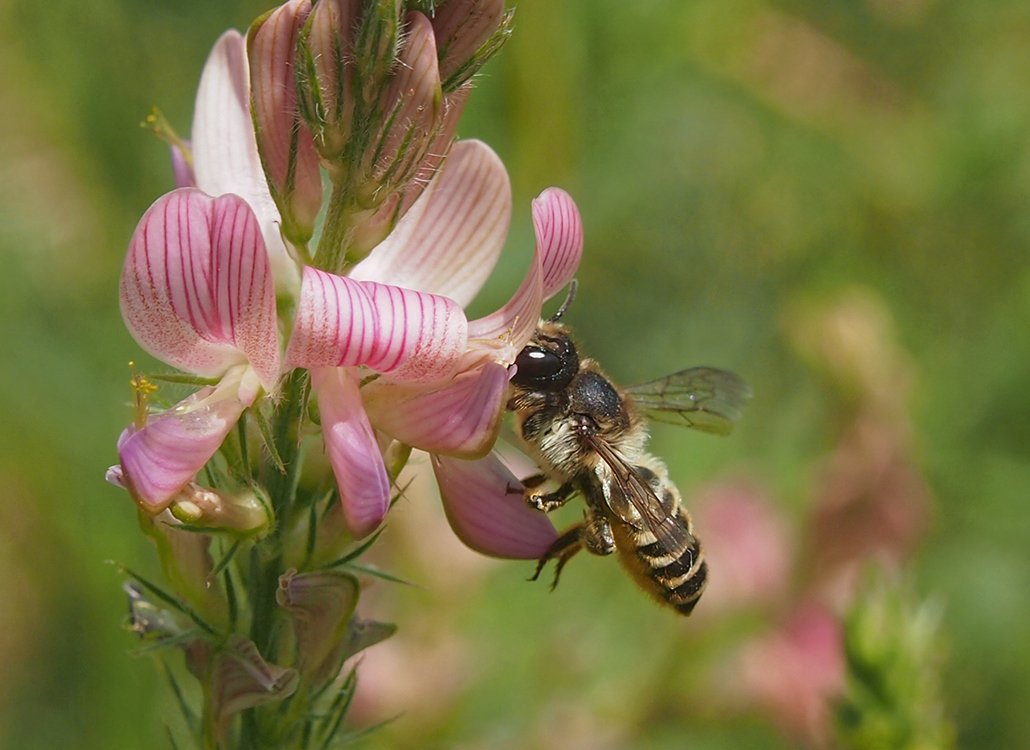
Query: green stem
(336, 231)
(266, 557)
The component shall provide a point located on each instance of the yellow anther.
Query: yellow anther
(141, 388)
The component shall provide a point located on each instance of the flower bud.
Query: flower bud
(245, 514)
(468, 33)
(410, 111)
(284, 141)
(325, 51)
(375, 228)
(376, 42)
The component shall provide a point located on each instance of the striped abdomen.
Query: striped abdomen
(674, 576)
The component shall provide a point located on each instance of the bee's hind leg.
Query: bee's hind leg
(564, 547)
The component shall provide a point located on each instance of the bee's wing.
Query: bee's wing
(671, 536)
(702, 398)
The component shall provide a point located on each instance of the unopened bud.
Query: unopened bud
(245, 514)
(379, 223)
(325, 51)
(284, 142)
(468, 33)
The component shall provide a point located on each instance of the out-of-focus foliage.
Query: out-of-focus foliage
(828, 198)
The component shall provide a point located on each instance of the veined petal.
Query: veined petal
(196, 289)
(559, 247)
(225, 154)
(412, 336)
(484, 504)
(451, 238)
(159, 459)
(559, 238)
(353, 450)
(460, 419)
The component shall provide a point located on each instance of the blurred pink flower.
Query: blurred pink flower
(746, 542)
(794, 672)
(871, 503)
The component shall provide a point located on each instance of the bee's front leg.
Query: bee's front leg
(545, 502)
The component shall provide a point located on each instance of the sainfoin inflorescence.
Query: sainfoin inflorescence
(306, 282)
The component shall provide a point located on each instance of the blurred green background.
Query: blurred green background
(758, 181)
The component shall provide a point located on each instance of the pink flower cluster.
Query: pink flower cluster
(218, 284)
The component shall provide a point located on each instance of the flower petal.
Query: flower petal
(159, 459)
(451, 238)
(225, 154)
(411, 336)
(483, 502)
(196, 289)
(559, 247)
(460, 419)
(353, 450)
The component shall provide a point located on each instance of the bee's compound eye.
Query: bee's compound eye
(536, 366)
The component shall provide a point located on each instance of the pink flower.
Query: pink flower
(795, 671)
(197, 293)
(443, 381)
(746, 541)
(223, 149)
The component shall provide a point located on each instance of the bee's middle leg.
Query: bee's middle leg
(594, 535)
(562, 550)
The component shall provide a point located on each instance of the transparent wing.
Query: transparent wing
(670, 535)
(702, 398)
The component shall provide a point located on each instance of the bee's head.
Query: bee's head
(548, 362)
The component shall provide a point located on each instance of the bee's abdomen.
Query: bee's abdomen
(676, 577)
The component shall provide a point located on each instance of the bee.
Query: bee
(589, 438)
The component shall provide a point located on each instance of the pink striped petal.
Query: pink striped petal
(460, 419)
(225, 154)
(196, 289)
(559, 247)
(483, 502)
(284, 142)
(353, 450)
(411, 336)
(449, 242)
(166, 454)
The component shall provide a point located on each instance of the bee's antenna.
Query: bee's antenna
(569, 296)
